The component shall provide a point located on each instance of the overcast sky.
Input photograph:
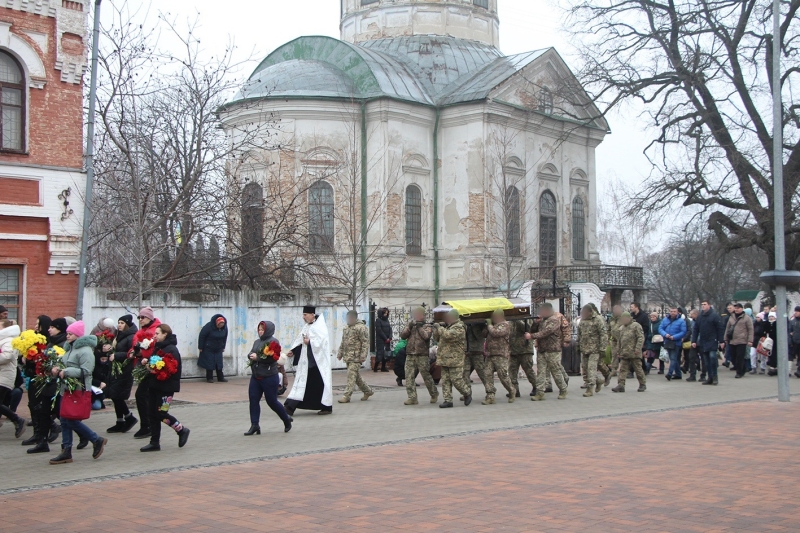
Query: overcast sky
(259, 26)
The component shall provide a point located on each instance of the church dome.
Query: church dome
(299, 77)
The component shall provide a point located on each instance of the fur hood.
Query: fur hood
(10, 332)
(86, 340)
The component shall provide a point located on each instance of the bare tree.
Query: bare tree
(623, 237)
(703, 72)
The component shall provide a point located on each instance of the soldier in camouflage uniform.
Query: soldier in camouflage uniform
(547, 331)
(452, 339)
(418, 334)
(476, 338)
(613, 326)
(521, 355)
(629, 342)
(354, 350)
(592, 340)
(497, 352)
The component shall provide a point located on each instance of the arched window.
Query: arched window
(578, 229)
(513, 229)
(252, 220)
(320, 221)
(546, 101)
(548, 230)
(413, 220)
(12, 104)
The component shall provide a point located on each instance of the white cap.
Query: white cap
(108, 323)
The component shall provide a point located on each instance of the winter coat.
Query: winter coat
(649, 333)
(79, 356)
(708, 331)
(548, 334)
(383, 333)
(794, 331)
(630, 339)
(418, 335)
(211, 343)
(354, 347)
(643, 319)
(8, 356)
(119, 387)
(675, 327)
(497, 340)
(146, 333)
(172, 384)
(592, 336)
(739, 330)
(518, 344)
(452, 341)
(264, 368)
(759, 330)
(102, 371)
(476, 338)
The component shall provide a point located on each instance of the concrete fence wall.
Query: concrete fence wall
(243, 310)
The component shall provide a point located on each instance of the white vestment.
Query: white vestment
(321, 348)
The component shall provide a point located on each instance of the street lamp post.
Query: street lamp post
(780, 277)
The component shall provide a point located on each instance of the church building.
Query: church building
(420, 152)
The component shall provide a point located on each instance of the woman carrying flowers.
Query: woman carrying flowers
(163, 379)
(43, 392)
(120, 382)
(264, 380)
(78, 363)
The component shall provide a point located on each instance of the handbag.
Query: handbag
(669, 344)
(764, 346)
(657, 339)
(77, 404)
(687, 345)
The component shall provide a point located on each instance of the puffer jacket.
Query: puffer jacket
(79, 356)
(476, 338)
(548, 334)
(452, 341)
(172, 384)
(146, 333)
(592, 336)
(739, 330)
(675, 327)
(630, 339)
(418, 335)
(497, 340)
(8, 356)
(354, 347)
(518, 344)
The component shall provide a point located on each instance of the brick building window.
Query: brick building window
(513, 224)
(12, 104)
(11, 290)
(548, 235)
(413, 220)
(578, 229)
(320, 217)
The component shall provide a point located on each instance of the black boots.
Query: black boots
(209, 379)
(151, 448)
(143, 433)
(287, 425)
(254, 430)
(98, 446)
(55, 432)
(64, 457)
(221, 376)
(183, 436)
(82, 444)
(123, 426)
(41, 447)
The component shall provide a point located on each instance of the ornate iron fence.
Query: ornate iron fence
(604, 276)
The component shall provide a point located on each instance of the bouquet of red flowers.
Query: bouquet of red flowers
(270, 352)
(162, 366)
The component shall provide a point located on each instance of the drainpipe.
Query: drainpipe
(436, 208)
(363, 194)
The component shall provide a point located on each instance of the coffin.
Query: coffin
(480, 310)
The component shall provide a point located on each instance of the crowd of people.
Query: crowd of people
(106, 362)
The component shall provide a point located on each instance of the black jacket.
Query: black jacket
(102, 371)
(212, 339)
(264, 368)
(383, 331)
(173, 383)
(708, 331)
(119, 386)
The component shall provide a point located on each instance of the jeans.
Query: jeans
(83, 431)
(675, 362)
(711, 362)
(268, 387)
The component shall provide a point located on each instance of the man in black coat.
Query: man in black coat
(708, 334)
(210, 345)
(383, 339)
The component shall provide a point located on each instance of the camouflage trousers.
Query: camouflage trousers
(474, 360)
(624, 368)
(549, 364)
(603, 368)
(589, 367)
(422, 364)
(354, 379)
(526, 362)
(453, 376)
(499, 364)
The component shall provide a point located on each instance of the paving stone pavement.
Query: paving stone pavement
(217, 427)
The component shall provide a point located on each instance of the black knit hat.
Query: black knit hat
(60, 324)
(128, 319)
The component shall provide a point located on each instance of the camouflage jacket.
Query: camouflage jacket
(355, 343)
(518, 343)
(497, 341)
(418, 335)
(476, 338)
(592, 336)
(548, 334)
(613, 326)
(452, 341)
(629, 341)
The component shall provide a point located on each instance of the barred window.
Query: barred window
(320, 222)
(481, 3)
(252, 220)
(513, 225)
(578, 229)
(413, 220)
(548, 230)
(12, 104)
(546, 101)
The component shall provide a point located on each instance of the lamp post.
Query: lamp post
(780, 277)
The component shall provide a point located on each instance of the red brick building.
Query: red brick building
(43, 57)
